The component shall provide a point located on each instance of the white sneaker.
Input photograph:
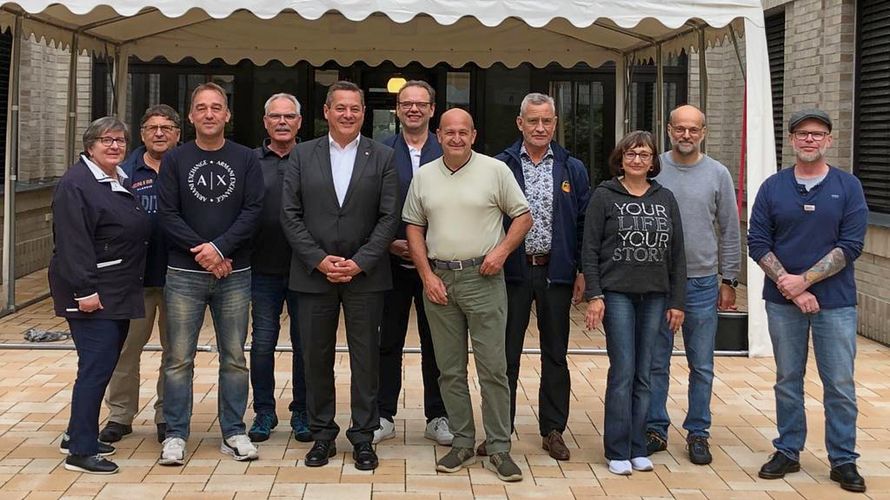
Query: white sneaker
(641, 464)
(240, 447)
(620, 467)
(173, 452)
(386, 431)
(437, 430)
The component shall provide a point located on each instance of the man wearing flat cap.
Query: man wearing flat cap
(806, 229)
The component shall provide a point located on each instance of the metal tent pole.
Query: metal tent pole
(11, 167)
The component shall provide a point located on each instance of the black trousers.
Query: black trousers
(318, 317)
(98, 343)
(406, 288)
(552, 303)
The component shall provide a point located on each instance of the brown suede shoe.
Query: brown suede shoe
(554, 443)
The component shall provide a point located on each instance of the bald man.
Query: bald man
(454, 211)
(704, 191)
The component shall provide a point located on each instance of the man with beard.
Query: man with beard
(160, 132)
(454, 211)
(270, 270)
(414, 146)
(703, 189)
(807, 227)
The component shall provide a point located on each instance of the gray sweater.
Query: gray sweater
(707, 202)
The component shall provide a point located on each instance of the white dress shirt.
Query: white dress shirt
(342, 162)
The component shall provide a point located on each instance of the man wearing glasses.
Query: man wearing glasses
(270, 270)
(414, 146)
(160, 132)
(807, 227)
(704, 191)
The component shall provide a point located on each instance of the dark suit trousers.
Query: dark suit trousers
(318, 317)
(406, 287)
(552, 302)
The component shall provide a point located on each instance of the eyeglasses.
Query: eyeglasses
(108, 141)
(407, 105)
(801, 135)
(166, 129)
(632, 155)
(681, 131)
(278, 116)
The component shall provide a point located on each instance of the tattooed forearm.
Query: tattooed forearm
(772, 267)
(827, 266)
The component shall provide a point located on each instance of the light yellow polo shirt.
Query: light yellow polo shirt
(463, 211)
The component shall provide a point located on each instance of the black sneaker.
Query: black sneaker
(90, 465)
(263, 423)
(655, 443)
(699, 451)
(778, 465)
(849, 477)
(113, 432)
(104, 449)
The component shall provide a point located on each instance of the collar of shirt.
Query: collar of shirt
(352, 145)
(101, 176)
(267, 151)
(524, 153)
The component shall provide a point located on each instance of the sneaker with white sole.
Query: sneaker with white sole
(437, 430)
(386, 431)
(620, 467)
(642, 464)
(240, 447)
(173, 452)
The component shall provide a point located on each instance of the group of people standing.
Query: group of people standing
(343, 221)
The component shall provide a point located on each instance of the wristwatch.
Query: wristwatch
(731, 282)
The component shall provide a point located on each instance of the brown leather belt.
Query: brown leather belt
(538, 260)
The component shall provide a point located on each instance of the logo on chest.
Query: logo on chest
(211, 181)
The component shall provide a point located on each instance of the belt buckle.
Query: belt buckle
(458, 265)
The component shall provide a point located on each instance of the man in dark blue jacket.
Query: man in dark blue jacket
(546, 267)
(414, 146)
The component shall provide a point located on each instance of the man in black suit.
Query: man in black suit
(340, 212)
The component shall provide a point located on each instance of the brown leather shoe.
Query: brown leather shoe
(481, 450)
(554, 443)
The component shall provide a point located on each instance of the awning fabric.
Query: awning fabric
(429, 32)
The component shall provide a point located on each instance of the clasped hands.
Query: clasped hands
(338, 269)
(209, 258)
(794, 288)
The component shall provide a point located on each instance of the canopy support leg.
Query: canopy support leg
(11, 167)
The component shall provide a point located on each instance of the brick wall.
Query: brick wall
(43, 104)
(819, 72)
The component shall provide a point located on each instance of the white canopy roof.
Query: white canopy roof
(427, 31)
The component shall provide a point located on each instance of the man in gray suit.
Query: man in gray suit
(340, 207)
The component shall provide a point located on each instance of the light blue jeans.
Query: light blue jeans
(699, 330)
(187, 296)
(834, 344)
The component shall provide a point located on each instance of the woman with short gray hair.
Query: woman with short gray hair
(95, 277)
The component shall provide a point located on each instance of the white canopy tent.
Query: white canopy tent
(403, 31)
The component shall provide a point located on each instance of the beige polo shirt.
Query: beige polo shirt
(463, 211)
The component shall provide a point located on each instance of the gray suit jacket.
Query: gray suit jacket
(316, 225)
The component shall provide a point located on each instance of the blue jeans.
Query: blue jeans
(187, 295)
(834, 344)
(268, 295)
(699, 330)
(631, 322)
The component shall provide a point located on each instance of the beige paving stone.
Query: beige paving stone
(130, 491)
(338, 491)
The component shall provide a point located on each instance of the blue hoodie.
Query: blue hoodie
(571, 193)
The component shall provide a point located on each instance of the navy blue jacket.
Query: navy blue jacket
(571, 193)
(100, 239)
(431, 150)
(142, 181)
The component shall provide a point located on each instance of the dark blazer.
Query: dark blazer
(431, 150)
(316, 225)
(100, 240)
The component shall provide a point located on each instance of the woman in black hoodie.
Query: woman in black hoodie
(634, 268)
